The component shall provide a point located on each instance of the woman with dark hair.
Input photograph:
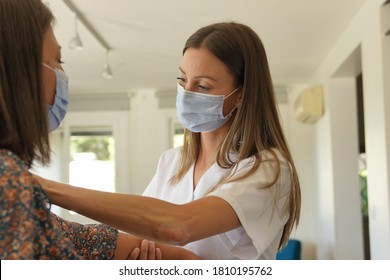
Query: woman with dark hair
(231, 191)
(33, 101)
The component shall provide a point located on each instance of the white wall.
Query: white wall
(149, 135)
(301, 138)
(344, 155)
(326, 157)
(338, 233)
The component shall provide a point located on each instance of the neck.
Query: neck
(209, 143)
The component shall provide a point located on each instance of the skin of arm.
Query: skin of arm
(150, 218)
(131, 247)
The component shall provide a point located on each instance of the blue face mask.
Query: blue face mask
(57, 111)
(199, 112)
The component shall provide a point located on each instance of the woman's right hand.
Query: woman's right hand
(147, 251)
(39, 179)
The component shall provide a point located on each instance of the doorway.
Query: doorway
(362, 165)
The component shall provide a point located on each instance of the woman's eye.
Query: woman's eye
(203, 88)
(181, 81)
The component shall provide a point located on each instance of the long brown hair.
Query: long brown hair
(23, 116)
(256, 126)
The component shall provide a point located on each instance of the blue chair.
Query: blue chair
(291, 251)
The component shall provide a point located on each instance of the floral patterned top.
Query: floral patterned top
(29, 230)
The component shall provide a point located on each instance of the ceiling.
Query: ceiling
(147, 36)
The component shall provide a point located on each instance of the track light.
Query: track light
(75, 42)
(107, 73)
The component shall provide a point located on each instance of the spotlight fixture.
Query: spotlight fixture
(107, 73)
(75, 42)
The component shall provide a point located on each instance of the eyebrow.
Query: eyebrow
(198, 77)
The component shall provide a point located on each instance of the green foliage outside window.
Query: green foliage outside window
(363, 191)
(101, 146)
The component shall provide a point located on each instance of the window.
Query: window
(178, 135)
(92, 158)
(90, 150)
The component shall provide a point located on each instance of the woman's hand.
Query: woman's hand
(39, 179)
(147, 251)
(133, 248)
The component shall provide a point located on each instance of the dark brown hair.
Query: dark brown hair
(256, 126)
(23, 116)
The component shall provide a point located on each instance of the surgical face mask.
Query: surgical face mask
(199, 112)
(57, 111)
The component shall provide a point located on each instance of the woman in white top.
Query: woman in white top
(231, 191)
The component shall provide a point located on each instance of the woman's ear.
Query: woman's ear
(238, 102)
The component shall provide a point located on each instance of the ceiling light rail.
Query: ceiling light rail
(385, 15)
(76, 41)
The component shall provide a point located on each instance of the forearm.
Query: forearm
(176, 253)
(127, 243)
(93, 241)
(147, 217)
(142, 216)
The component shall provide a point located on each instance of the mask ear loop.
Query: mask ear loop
(47, 66)
(235, 107)
(230, 114)
(231, 93)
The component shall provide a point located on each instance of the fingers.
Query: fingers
(144, 247)
(158, 254)
(134, 255)
(147, 251)
(151, 251)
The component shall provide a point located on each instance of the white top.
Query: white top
(262, 220)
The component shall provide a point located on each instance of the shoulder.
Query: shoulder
(15, 177)
(172, 152)
(168, 161)
(266, 175)
(259, 197)
(171, 155)
(269, 162)
(274, 157)
(9, 162)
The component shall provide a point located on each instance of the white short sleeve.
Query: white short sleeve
(262, 211)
